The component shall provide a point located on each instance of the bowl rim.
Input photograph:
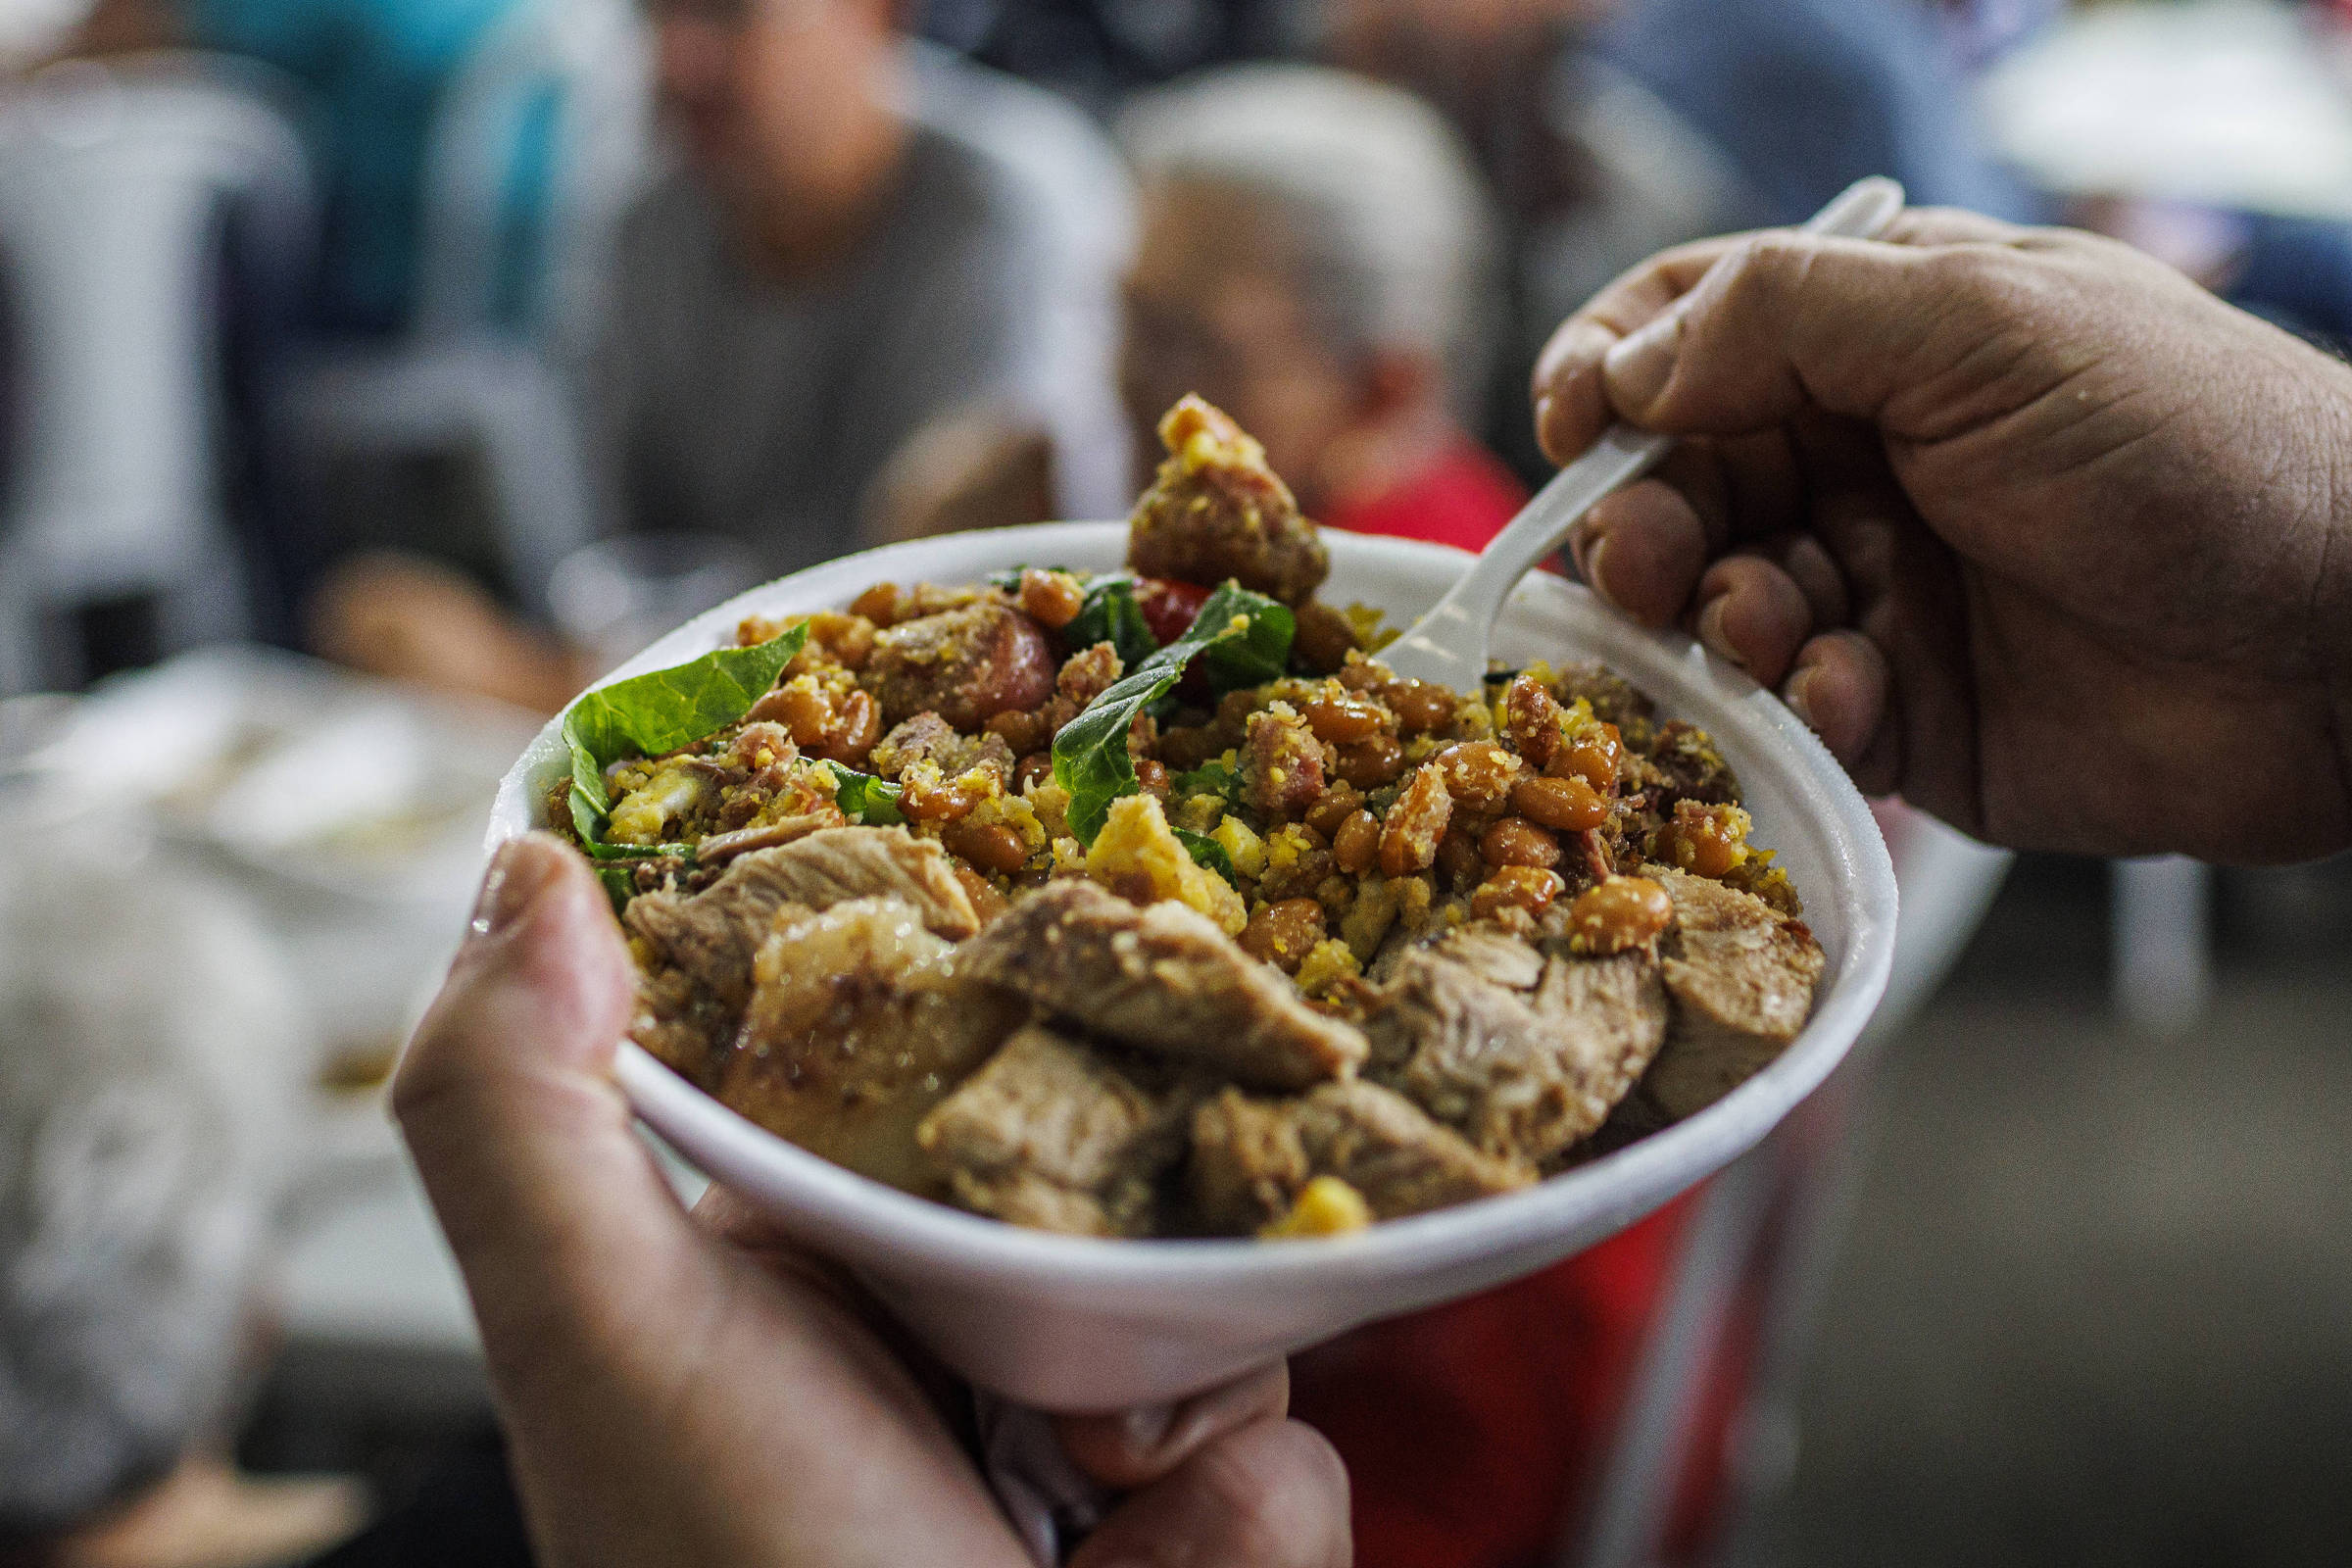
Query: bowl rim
(878, 1224)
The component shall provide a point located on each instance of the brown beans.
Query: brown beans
(1324, 638)
(1368, 764)
(885, 604)
(1338, 803)
(1516, 887)
(1532, 720)
(1567, 804)
(1479, 774)
(925, 798)
(1283, 934)
(987, 902)
(856, 725)
(1622, 913)
(1024, 732)
(1703, 840)
(1416, 823)
(1035, 769)
(1340, 721)
(1053, 598)
(1419, 705)
(1593, 756)
(990, 846)
(1152, 776)
(1457, 857)
(1514, 841)
(1355, 846)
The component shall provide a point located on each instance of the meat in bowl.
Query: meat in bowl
(1125, 906)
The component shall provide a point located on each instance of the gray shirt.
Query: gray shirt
(732, 404)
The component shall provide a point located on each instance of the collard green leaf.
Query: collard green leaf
(1112, 615)
(1210, 778)
(865, 799)
(1208, 854)
(1090, 755)
(659, 711)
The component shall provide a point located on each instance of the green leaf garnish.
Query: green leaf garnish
(1090, 755)
(649, 714)
(1112, 615)
(1208, 854)
(865, 799)
(1209, 778)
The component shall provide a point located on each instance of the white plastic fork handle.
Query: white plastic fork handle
(1449, 643)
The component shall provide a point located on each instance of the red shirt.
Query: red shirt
(1471, 1431)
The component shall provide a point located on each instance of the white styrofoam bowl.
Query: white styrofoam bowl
(1069, 1323)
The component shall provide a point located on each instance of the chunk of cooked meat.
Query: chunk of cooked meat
(1053, 1135)
(1253, 1157)
(859, 1024)
(713, 935)
(928, 738)
(1218, 511)
(681, 1025)
(1740, 975)
(1522, 1052)
(1161, 979)
(967, 665)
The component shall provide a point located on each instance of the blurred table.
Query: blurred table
(2238, 103)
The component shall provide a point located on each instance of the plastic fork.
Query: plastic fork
(1449, 643)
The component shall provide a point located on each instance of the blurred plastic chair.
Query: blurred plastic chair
(540, 145)
(120, 185)
(1768, 1227)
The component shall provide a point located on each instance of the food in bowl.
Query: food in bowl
(1124, 905)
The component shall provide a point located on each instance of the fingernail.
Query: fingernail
(1711, 631)
(1146, 1425)
(519, 870)
(1589, 566)
(1798, 698)
(1580, 344)
(1638, 367)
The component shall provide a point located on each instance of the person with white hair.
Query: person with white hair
(149, 1059)
(1318, 258)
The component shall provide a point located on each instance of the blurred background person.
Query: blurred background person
(1317, 256)
(864, 254)
(149, 1061)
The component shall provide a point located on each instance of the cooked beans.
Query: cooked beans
(1034, 768)
(1593, 756)
(1340, 721)
(1516, 887)
(1053, 598)
(1355, 846)
(1152, 776)
(1284, 933)
(1532, 720)
(1416, 823)
(990, 846)
(1704, 840)
(1567, 804)
(1337, 804)
(1478, 774)
(1419, 705)
(1368, 764)
(1516, 841)
(928, 800)
(1622, 913)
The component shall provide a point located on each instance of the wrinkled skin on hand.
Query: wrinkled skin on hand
(693, 1388)
(2031, 529)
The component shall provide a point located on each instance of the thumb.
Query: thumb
(506, 1101)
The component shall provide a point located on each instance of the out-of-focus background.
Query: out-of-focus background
(375, 373)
